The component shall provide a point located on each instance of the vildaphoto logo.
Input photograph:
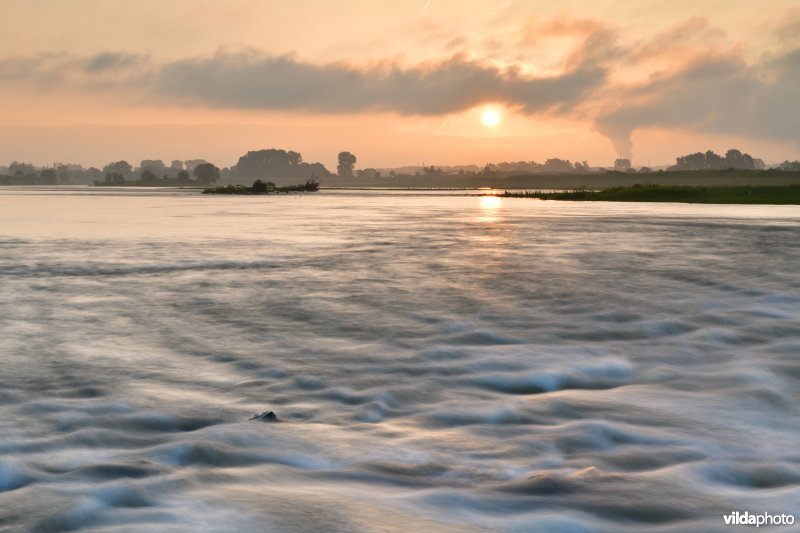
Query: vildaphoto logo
(761, 519)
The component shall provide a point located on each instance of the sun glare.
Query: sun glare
(490, 202)
(490, 118)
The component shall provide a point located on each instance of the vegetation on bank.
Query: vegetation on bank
(204, 173)
(34, 179)
(261, 187)
(115, 181)
(757, 194)
(699, 168)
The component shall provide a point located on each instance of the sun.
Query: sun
(490, 118)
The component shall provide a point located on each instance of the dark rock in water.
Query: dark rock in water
(266, 416)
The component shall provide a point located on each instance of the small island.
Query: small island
(746, 194)
(261, 187)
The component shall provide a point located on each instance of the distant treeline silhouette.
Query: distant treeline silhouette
(710, 161)
(274, 163)
(118, 174)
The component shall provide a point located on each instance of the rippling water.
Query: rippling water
(439, 362)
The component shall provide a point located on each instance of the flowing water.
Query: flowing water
(439, 362)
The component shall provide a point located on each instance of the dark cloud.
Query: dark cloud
(109, 61)
(710, 88)
(253, 80)
(715, 94)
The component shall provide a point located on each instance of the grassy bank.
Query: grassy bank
(591, 180)
(260, 187)
(756, 194)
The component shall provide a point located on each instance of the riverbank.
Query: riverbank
(746, 194)
(260, 187)
(595, 180)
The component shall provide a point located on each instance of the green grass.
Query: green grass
(756, 194)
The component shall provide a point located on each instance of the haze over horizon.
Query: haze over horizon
(92, 81)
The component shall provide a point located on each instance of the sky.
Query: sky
(398, 82)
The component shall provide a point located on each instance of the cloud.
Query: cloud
(713, 94)
(688, 76)
(560, 26)
(59, 70)
(259, 81)
(255, 80)
(107, 61)
(685, 39)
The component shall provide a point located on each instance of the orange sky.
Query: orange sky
(397, 83)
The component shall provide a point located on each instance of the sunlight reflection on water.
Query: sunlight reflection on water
(490, 206)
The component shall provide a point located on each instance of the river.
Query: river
(439, 361)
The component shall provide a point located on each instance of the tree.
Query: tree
(115, 178)
(148, 175)
(63, 174)
(183, 175)
(622, 165)
(695, 161)
(368, 173)
(259, 187)
(20, 169)
(48, 176)
(558, 165)
(175, 167)
(582, 167)
(733, 158)
(191, 164)
(488, 170)
(122, 168)
(93, 174)
(736, 159)
(294, 158)
(432, 172)
(347, 162)
(206, 173)
(714, 161)
(275, 163)
(271, 163)
(156, 166)
(711, 161)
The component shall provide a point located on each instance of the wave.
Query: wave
(14, 476)
(605, 374)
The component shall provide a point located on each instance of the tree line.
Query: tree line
(276, 163)
(733, 158)
(196, 171)
(268, 163)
